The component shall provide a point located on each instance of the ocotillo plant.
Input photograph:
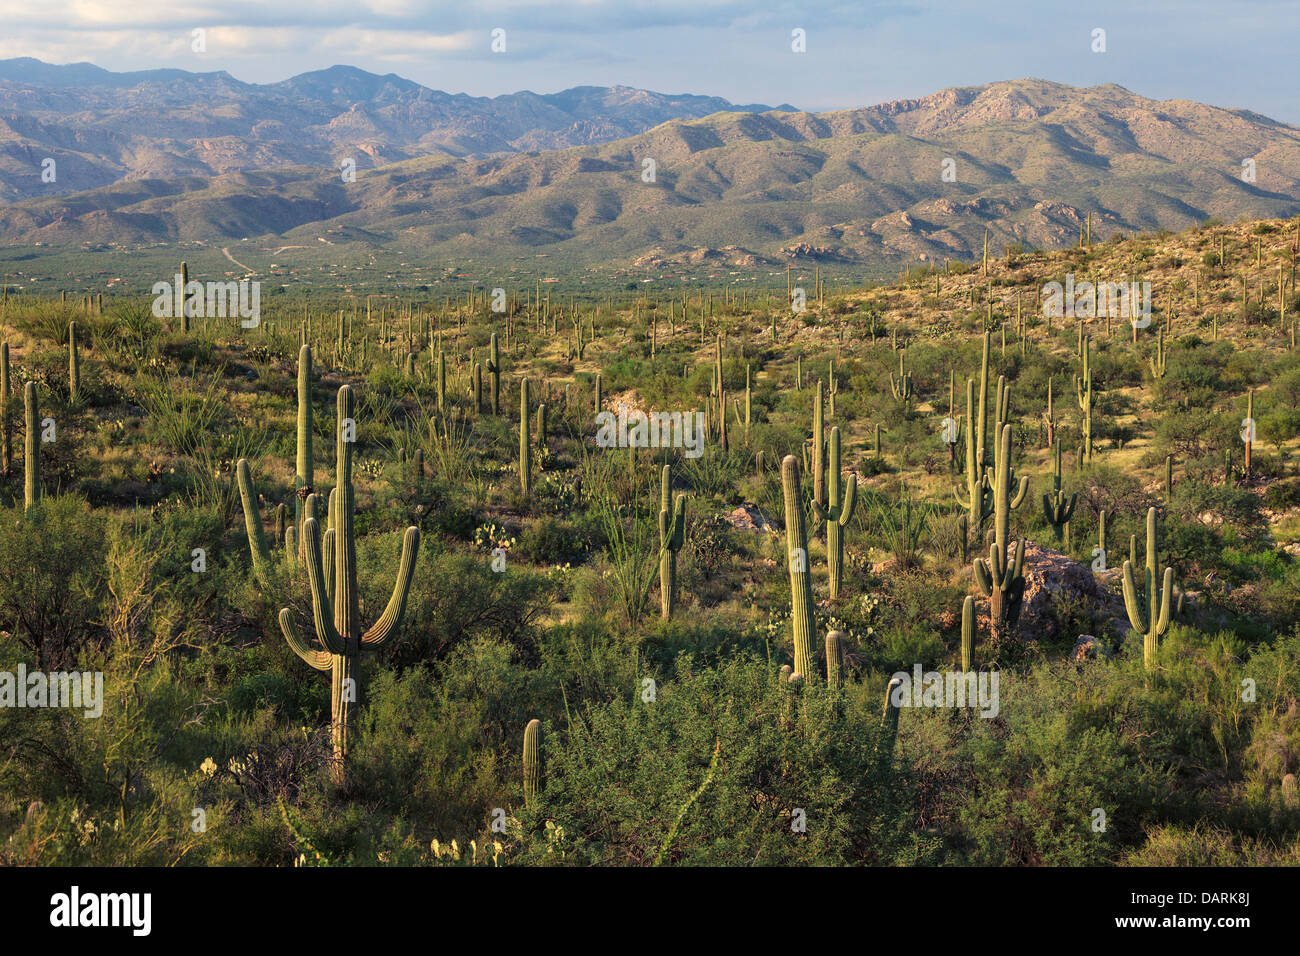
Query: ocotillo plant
(1000, 578)
(1055, 508)
(340, 632)
(31, 448)
(672, 535)
(796, 540)
(837, 513)
(525, 444)
(1148, 611)
(967, 633)
(532, 761)
(494, 368)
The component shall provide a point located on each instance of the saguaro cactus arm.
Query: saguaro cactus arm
(1133, 604)
(253, 522)
(320, 660)
(321, 603)
(383, 629)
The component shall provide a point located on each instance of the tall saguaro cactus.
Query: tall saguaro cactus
(31, 448)
(967, 633)
(837, 513)
(977, 498)
(801, 599)
(902, 388)
(525, 444)
(6, 435)
(672, 535)
(494, 368)
(1083, 390)
(74, 362)
(335, 603)
(819, 449)
(1000, 578)
(1055, 507)
(303, 470)
(1149, 611)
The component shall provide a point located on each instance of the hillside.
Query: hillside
(579, 638)
(858, 188)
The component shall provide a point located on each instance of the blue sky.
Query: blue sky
(1234, 53)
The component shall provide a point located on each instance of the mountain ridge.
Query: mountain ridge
(102, 127)
(1031, 161)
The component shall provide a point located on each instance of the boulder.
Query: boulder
(748, 518)
(1054, 581)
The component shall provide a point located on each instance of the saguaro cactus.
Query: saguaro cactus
(834, 657)
(185, 297)
(6, 436)
(525, 445)
(1148, 611)
(532, 761)
(1083, 391)
(796, 539)
(442, 380)
(977, 498)
(1159, 360)
(1055, 507)
(31, 448)
(494, 368)
(303, 469)
(967, 633)
(902, 388)
(837, 513)
(335, 607)
(819, 449)
(672, 535)
(74, 363)
(1000, 578)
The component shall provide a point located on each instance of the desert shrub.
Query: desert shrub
(52, 579)
(711, 772)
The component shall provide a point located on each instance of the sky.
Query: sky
(1231, 53)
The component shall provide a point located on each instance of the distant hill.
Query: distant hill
(1031, 160)
(103, 127)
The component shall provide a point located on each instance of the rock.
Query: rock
(1088, 647)
(1053, 581)
(748, 518)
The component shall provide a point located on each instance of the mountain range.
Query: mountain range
(507, 179)
(102, 127)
